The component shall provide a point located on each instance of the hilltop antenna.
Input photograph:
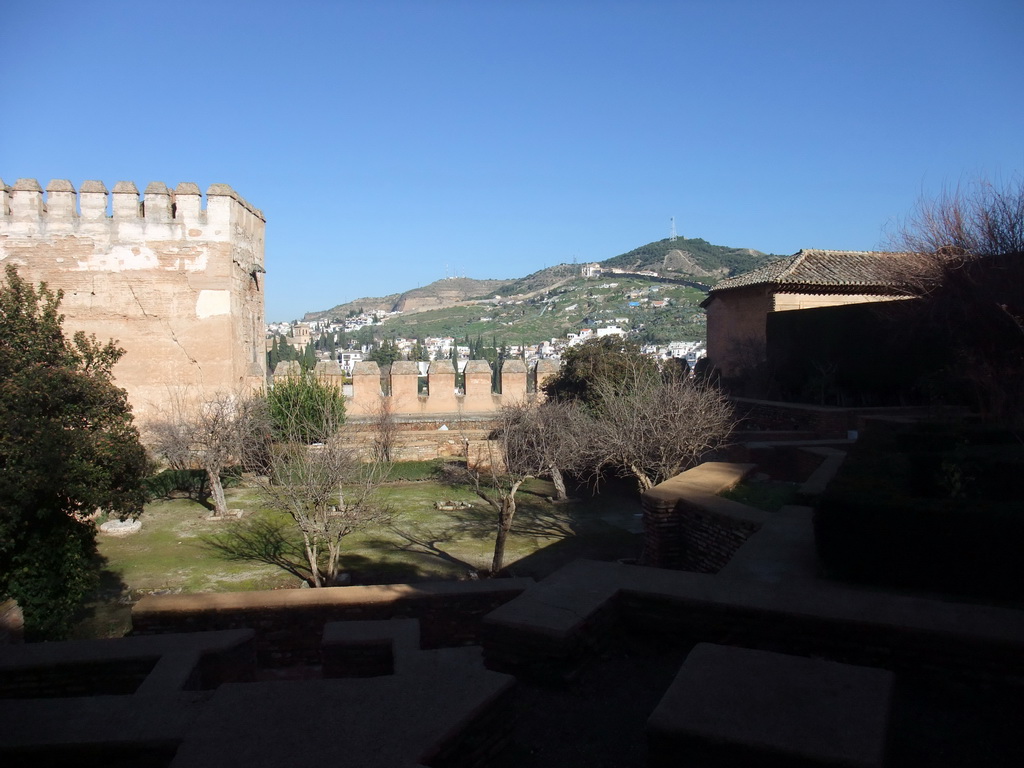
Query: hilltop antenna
(672, 229)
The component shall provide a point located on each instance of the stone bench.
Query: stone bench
(735, 706)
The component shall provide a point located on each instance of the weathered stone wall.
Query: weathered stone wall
(289, 623)
(178, 286)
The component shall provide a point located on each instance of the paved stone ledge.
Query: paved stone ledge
(547, 627)
(164, 664)
(783, 549)
(441, 707)
(735, 706)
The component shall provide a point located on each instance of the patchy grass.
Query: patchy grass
(173, 552)
(769, 495)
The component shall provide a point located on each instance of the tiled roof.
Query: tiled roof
(824, 269)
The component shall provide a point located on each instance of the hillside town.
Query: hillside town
(602, 309)
(300, 336)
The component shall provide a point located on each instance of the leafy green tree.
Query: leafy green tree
(308, 358)
(386, 353)
(609, 362)
(67, 448)
(303, 407)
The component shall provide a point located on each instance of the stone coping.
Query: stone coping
(297, 599)
(709, 478)
(405, 719)
(29, 655)
(386, 722)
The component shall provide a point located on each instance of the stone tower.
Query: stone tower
(177, 285)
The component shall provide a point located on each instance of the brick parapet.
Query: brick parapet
(289, 624)
(687, 526)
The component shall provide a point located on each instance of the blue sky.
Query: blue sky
(390, 143)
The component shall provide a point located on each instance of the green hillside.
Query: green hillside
(553, 301)
(572, 305)
(715, 261)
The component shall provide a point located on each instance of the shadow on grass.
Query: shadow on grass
(107, 612)
(261, 540)
(427, 543)
(275, 542)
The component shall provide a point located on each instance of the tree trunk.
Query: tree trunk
(312, 558)
(505, 516)
(559, 482)
(220, 504)
(333, 555)
(645, 482)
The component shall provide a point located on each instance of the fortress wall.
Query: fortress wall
(177, 285)
(517, 386)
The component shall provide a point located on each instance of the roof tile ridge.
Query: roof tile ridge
(797, 259)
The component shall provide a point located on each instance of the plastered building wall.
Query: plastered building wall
(178, 285)
(737, 320)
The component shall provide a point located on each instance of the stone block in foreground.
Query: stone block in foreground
(736, 706)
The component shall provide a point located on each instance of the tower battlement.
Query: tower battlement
(160, 212)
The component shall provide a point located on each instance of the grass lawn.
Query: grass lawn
(172, 552)
(769, 495)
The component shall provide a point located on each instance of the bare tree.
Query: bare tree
(546, 438)
(507, 460)
(385, 430)
(654, 428)
(964, 260)
(204, 435)
(311, 470)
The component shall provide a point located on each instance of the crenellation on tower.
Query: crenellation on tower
(92, 200)
(159, 213)
(27, 201)
(60, 199)
(477, 400)
(156, 204)
(126, 200)
(188, 204)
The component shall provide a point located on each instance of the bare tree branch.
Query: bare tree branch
(325, 487)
